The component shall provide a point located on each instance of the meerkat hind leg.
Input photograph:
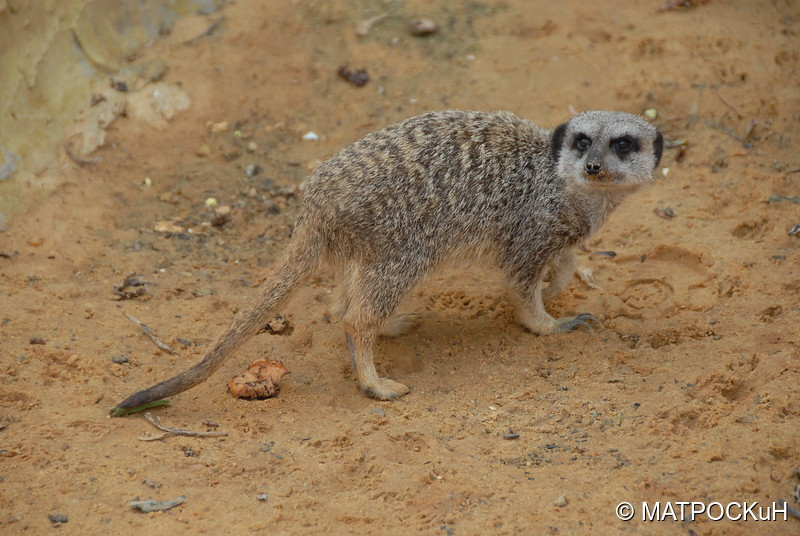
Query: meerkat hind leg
(360, 343)
(373, 294)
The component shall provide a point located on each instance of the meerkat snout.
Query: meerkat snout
(593, 167)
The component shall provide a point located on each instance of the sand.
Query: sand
(688, 389)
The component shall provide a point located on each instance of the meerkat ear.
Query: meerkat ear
(658, 147)
(557, 140)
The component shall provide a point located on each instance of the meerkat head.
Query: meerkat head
(607, 149)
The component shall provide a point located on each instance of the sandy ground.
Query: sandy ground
(688, 390)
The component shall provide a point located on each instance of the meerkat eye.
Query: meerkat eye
(582, 142)
(623, 145)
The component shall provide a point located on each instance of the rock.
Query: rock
(58, 518)
(422, 26)
(156, 506)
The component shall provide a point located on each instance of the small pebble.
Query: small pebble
(217, 127)
(203, 150)
(358, 77)
(666, 213)
(211, 202)
(58, 518)
(252, 146)
(422, 27)
(119, 85)
(120, 359)
(279, 325)
(253, 170)
(651, 113)
(262, 497)
(560, 501)
(310, 136)
(36, 241)
(156, 506)
(363, 28)
(167, 227)
(36, 340)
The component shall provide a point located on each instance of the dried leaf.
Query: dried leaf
(261, 380)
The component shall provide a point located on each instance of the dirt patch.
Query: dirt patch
(687, 391)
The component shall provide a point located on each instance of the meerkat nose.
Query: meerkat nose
(593, 168)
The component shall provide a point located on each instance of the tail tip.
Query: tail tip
(134, 404)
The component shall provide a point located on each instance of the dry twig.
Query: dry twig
(149, 333)
(155, 421)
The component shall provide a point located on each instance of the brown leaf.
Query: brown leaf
(261, 380)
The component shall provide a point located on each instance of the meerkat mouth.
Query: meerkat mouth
(603, 177)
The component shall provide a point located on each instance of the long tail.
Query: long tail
(296, 264)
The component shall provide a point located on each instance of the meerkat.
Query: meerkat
(388, 209)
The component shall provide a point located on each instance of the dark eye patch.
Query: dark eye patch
(582, 142)
(558, 139)
(624, 145)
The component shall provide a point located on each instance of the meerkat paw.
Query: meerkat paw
(544, 324)
(401, 324)
(573, 322)
(385, 389)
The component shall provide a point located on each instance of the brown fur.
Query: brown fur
(393, 206)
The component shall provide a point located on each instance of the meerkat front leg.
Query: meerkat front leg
(562, 268)
(532, 314)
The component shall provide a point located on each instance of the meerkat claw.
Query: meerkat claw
(583, 319)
